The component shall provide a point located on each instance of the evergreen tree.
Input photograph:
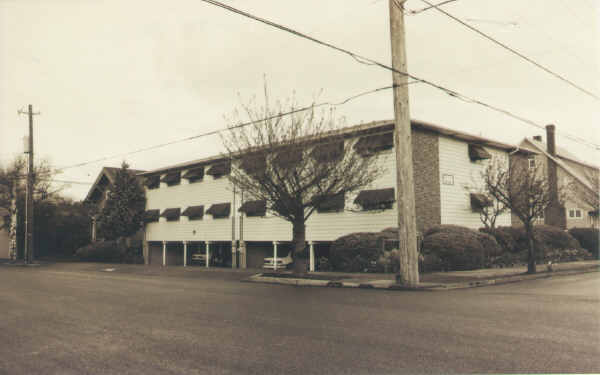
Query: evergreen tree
(123, 212)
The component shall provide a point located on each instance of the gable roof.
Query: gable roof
(558, 160)
(110, 173)
(363, 129)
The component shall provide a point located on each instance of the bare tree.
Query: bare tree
(590, 196)
(295, 164)
(525, 191)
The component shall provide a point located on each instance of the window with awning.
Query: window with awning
(254, 208)
(172, 178)
(194, 175)
(477, 152)
(332, 203)
(171, 214)
(193, 212)
(479, 201)
(152, 182)
(254, 164)
(327, 152)
(151, 215)
(219, 210)
(288, 157)
(378, 199)
(219, 169)
(372, 144)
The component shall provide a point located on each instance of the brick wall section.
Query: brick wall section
(426, 171)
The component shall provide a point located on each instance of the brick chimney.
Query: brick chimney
(555, 214)
(550, 139)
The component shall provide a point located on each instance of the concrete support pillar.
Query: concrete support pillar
(207, 254)
(312, 256)
(234, 261)
(275, 243)
(93, 228)
(145, 252)
(185, 253)
(242, 258)
(164, 253)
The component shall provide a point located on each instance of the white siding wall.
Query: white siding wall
(320, 226)
(455, 199)
(206, 192)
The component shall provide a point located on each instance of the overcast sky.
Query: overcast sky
(112, 76)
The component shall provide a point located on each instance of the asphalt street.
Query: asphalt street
(61, 321)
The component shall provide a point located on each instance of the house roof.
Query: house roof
(371, 127)
(561, 153)
(111, 174)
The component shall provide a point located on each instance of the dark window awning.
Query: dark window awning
(254, 164)
(594, 213)
(332, 203)
(477, 152)
(194, 174)
(376, 199)
(220, 169)
(288, 157)
(371, 144)
(172, 178)
(327, 152)
(151, 215)
(171, 214)
(193, 212)
(218, 210)
(152, 182)
(479, 201)
(254, 208)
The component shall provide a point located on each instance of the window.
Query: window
(153, 182)
(575, 213)
(531, 163)
(151, 216)
(194, 212)
(254, 208)
(448, 179)
(331, 203)
(479, 202)
(194, 175)
(477, 152)
(219, 169)
(380, 199)
(372, 144)
(219, 210)
(171, 214)
(172, 178)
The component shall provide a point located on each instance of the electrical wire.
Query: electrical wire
(368, 61)
(214, 132)
(512, 50)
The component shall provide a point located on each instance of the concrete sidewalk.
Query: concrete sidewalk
(436, 281)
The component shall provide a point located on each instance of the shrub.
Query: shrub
(122, 250)
(102, 251)
(389, 261)
(589, 238)
(505, 237)
(452, 247)
(355, 252)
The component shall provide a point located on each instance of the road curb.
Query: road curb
(437, 287)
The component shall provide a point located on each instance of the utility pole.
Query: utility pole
(29, 256)
(405, 189)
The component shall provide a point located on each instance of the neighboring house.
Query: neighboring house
(192, 208)
(4, 238)
(98, 193)
(579, 178)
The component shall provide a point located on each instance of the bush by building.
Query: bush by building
(122, 250)
(589, 239)
(356, 252)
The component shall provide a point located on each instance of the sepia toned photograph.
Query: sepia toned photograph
(299, 187)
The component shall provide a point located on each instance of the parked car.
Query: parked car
(282, 263)
(200, 257)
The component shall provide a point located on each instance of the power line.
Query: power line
(214, 132)
(413, 12)
(510, 49)
(369, 61)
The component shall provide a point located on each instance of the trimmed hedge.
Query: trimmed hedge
(356, 252)
(117, 251)
(452, 247)
(589, 238)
